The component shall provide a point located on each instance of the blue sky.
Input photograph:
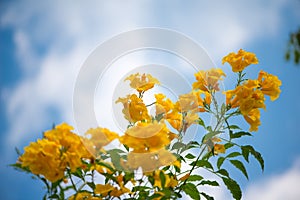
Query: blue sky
(43, 44)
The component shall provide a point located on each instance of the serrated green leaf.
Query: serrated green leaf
(223, 172)
(190, 156)
(194, 178)
(228, 145)
(220, 162)
(239, 165)
(207, 196)
(245, 153)
(249, 149)
(233, 154)
(191, 190)
(208, 182)
(239, 134)
(233, 187)
(203, 163)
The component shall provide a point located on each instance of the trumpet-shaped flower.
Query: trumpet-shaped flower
(142, 82)
(101, 137)
(147, 137)
(170, 181)
(240, 60)
(208, 80)
(150, 161)
(253, 119)
(43, 157)
(269, 85)
(134, 108)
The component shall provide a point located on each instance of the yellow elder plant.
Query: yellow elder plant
(152, 160)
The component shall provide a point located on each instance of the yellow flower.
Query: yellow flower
(163, 105)
(72, 148)
(253, 118)
(83, 196)
(219, 148)
(102, 169)
(150, 161)
(134, 108)
(240, 60)
(101, 137)
(187, 102)
(175, 119)
(246, 97)
(208, 80)
(170, 181)
(43, 157)
(142, 82)
(147, 136)
(269, 84)
(103, 190)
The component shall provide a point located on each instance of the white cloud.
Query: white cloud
(54, 38)
(277, 187)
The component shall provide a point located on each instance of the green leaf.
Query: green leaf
(191, 190)
(194, 178)
(140, 188)
(239, 134)
(190, 156)
(234, 127)
(208, 182)
(203, 163)
(249, 149)
(220, 162)
(210, 135)
(233, 187)
(233, 154)
(207, 196)
(245, 153)
(223, 172)
(54, 196)
(162, 179)
(18, 151)
(178, 145)
(18, 166)
(239, 165)
(155, 195)
(201, 122)
(228, 145)
(92, 185)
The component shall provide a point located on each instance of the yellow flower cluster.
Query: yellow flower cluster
(60, 148)
(239, 61)
(113, 191)
(250, 96)
(147, 141)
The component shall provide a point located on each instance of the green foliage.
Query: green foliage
(293, 47)
(233, 187)
(191, 190)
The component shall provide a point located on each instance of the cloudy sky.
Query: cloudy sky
(44, 44)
